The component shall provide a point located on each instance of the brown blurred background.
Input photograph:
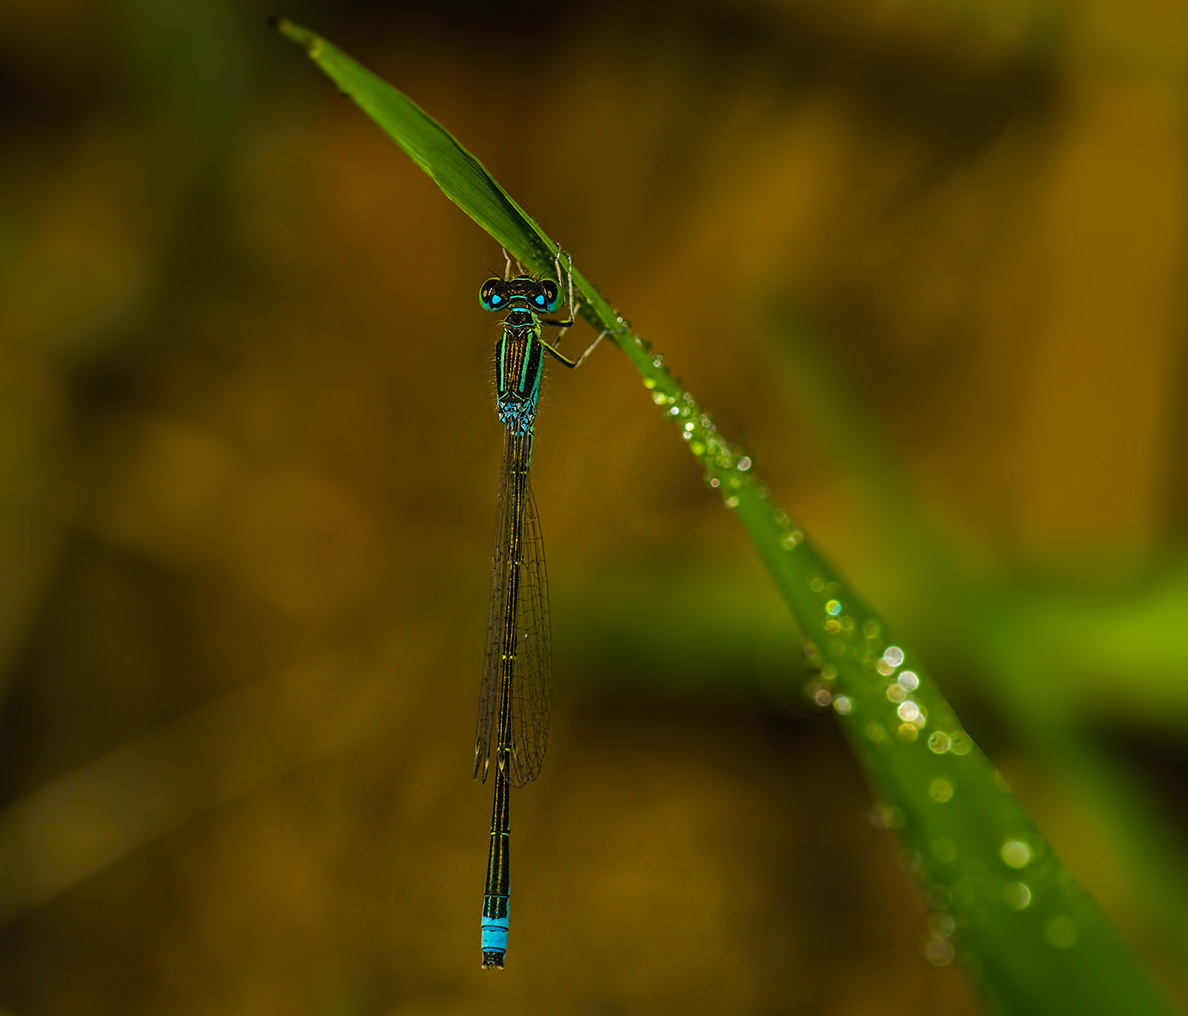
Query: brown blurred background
(924, 258)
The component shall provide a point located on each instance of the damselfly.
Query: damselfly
(516, 693)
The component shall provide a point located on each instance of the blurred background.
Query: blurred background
(924, 258)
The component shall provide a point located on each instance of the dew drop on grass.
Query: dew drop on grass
(884, 816)
(939, 952)
(944, 851)
(940, 896)
(908, 711)
(940, 790)
(1062, 932)
(820, 694)
(1016, 895)
(941, 925)
(939, 742)
(961, 743)
(1016, 854)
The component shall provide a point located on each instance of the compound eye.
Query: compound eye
(548, 299)
(489, 295)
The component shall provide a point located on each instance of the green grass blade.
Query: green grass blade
(1033, 938)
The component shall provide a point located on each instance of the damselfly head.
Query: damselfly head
(541, 296)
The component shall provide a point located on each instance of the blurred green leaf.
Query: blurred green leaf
(1034, 939)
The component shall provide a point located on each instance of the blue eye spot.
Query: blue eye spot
(540, 300)
(496, 299)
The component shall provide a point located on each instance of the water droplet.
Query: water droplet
(884, 816)
(697, 448)
(884, 668)
(908, 680)
(843, 704)
(675, 411)
(893, 655)
(658, 360)
(828, 671)
(940, 790)
(1016, 854)
(788, 540)
(876, 732)
(939, 952)
(944, 851)
(896, 693)
(732, 501)
(939, 742)
(1062, 932)
(941, 925)
(649, 382)
(871, 629)
(1017, 895)
(833, 607)
(908, 732)
(714, 481)
(846, 624)
(908, 711)
(962, 743)
(820, 694)
(659, 398)
(744, 464)
(817, 584)
(832, 626)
